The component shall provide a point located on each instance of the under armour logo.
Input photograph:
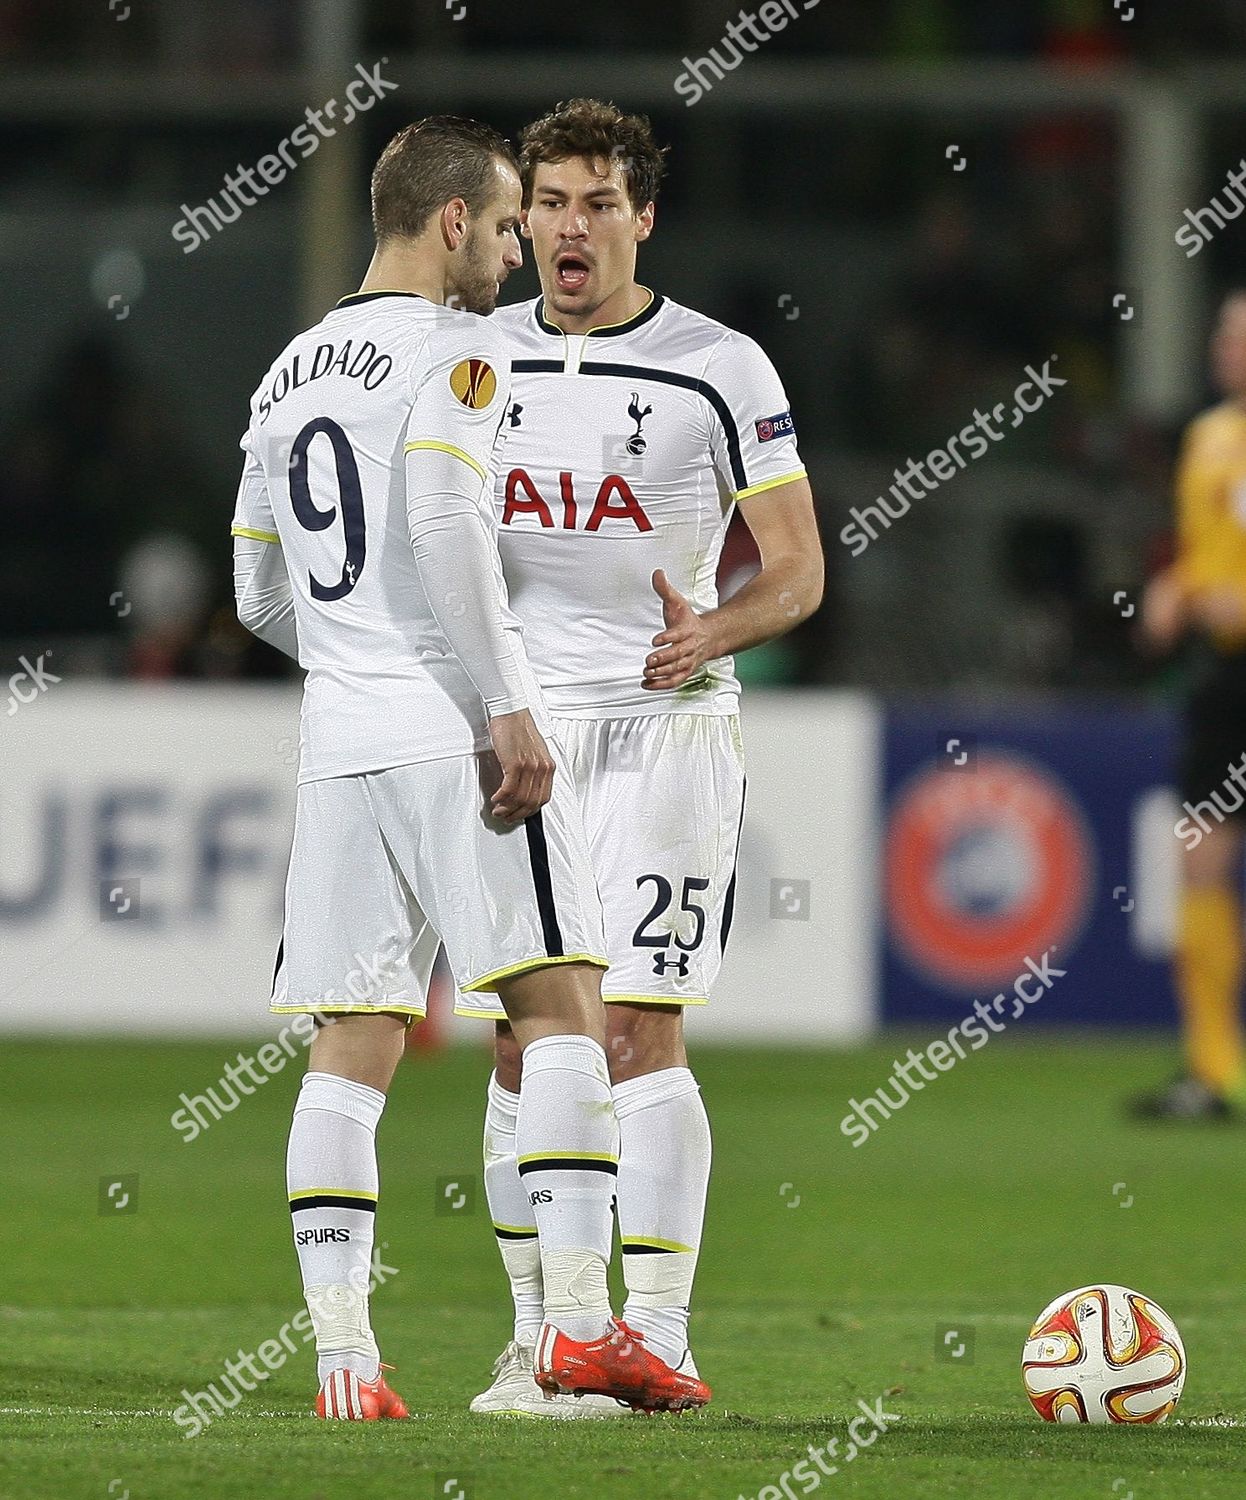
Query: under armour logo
(514, 414)
(661, 963)
(636, 444)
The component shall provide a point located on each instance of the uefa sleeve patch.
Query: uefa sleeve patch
(474, 383)
(769, 428)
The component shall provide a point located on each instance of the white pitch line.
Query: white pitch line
(107, 1411)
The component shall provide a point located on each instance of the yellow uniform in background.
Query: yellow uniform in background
(1211, 556)
(1211, 507)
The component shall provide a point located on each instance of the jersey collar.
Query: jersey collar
(611, 330)
(357, 297)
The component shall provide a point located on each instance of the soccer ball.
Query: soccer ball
(1103, 1354)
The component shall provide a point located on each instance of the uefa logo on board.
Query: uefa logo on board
(984, 867)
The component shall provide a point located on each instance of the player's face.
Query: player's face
(491, 250)
(1228, 348)
(585, 232)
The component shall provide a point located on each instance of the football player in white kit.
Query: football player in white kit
(634, 427)
(429, 807)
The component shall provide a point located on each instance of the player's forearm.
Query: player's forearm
(263, 595)
(454, 555)
(785, 592)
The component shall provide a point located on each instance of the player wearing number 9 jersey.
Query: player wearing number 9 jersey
(635, 426)
(430, 809)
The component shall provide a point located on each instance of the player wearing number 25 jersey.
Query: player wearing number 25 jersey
(635, 427)
(624, 450)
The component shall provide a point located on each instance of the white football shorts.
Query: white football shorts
(662, 798)
(387, 865)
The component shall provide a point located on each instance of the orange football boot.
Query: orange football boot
(346, 1397)
(616, 1364)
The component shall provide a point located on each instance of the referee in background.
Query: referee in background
(1202, 596)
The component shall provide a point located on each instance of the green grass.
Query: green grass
(986, 1196)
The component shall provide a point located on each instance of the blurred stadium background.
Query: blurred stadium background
(961, 763)
(907, 203)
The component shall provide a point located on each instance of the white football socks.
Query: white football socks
(514, 1223)
(664, 1170)
(331, 1178)
(567, 1141)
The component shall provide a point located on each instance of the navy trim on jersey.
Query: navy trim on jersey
(538, 852)
(356, 298)
(729, 899)
(614, 331)
(665, 377)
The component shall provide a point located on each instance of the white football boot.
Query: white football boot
(515, 1393)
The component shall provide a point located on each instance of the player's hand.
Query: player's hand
(1165, 612)
(527, 767)
(683, 647)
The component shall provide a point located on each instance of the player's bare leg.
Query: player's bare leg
(1209, 962)
(332, 1181)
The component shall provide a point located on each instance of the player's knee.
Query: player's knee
(559, 999)
(364, 1049)
(644, 1039)
(507, 1057)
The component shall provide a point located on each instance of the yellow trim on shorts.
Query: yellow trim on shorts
(332, 1192)
(674, 1245)
(490, 981)
(515, 1228)
(771, 484)
(426, 443)
(656, 999)
(256, 536)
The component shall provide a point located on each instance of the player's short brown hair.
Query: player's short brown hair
(428, 163)
(597, 132)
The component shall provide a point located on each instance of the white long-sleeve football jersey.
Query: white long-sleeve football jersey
(623, 450)
(369, 461)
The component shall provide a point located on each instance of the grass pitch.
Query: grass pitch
(830, 1275)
